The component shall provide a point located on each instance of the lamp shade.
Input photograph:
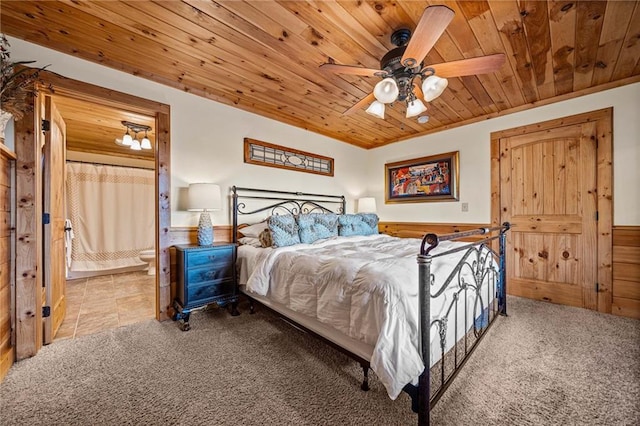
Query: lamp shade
(145, 143)
(376, 109)
(415, 107)
(367, 205)
(127, 140)
(204, 196)
(433, 86)
(386, 91)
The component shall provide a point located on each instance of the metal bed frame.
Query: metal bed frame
(479, 258)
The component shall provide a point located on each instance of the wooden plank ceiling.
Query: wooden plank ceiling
(94, 128)
(264, 56)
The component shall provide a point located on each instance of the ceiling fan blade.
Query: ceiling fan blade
(417, 90)
(471, 66)
(348, 69)
(432, 24)
(361, 103)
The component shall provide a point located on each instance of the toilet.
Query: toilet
(149, 256)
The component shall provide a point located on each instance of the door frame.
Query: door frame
(604, 176)
(29, 238)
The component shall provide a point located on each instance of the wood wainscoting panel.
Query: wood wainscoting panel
(7, 350)
(419, 229)
(626, 271)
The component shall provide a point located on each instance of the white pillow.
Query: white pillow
(250, 241)
(254, 230)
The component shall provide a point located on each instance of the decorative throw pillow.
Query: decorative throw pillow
(358, 224)
(315, 226)
(284, 230)
(265, 238)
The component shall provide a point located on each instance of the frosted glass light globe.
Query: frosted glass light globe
(376, 109)
(127, 140)
(415, 107)
(433, 86)
(386, 91)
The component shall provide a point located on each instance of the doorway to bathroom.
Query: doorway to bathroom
(110, 217)
(41, 297)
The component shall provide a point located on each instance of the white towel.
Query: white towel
(68, 236)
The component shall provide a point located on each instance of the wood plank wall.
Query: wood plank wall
(419, 229)
(626, 271)
(7, 349)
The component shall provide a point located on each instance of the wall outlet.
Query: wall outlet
(465, 207)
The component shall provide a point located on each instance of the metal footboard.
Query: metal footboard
(487, 267)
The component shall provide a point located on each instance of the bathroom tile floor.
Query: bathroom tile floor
(99, 303)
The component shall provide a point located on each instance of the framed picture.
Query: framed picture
(433, 178)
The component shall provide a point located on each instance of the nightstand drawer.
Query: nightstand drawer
(209, 257)
(207, 292)
(206, 273)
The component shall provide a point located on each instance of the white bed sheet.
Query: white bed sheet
(365, 287)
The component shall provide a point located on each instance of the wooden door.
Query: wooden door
(54, 208)
(548, 191)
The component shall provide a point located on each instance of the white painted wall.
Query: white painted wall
(207, 138)
(474, 140)
(207, 145)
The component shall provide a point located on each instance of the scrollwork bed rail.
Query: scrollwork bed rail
(478, 257)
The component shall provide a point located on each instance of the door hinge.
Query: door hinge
(46, 218)
(597, 287)
(46, 125)
(46, 311)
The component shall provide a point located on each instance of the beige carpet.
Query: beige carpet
(543, 365)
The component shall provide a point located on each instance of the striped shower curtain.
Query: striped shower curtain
(112, 214)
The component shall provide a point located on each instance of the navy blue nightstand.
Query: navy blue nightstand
(206, 274)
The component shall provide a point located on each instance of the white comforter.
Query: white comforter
(366, 287)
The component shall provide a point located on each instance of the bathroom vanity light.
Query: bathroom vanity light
(132, 141)
(204, 197)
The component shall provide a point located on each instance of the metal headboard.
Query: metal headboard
(282, 202)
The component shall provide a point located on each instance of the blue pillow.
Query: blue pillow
(284, 230)
(315, 226)
(358, 224)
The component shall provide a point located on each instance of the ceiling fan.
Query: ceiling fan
(402, 65)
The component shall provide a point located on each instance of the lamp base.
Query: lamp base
(205, 230)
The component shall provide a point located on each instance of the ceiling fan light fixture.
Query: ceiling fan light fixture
(386, 91)
(376, 109)
(433, 86)
(415, 107)
(403, 67)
